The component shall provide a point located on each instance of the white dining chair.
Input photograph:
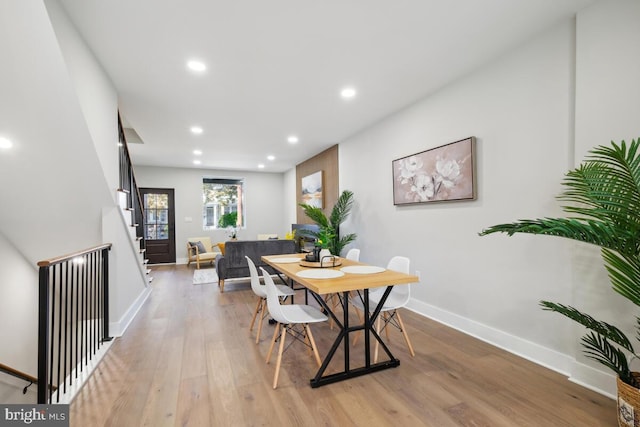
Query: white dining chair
(287, 317)
(389, 314)
(260, 291)
(353, 254)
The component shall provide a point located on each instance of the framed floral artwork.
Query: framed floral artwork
(439, 174)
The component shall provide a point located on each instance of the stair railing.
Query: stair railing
(73, 318)
(129, 186)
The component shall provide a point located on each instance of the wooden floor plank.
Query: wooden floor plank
(188, 359)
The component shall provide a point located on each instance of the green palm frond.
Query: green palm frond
(599, 349)
(602, 328)
(315, 214)
(598, 233)
(624, 273)
(341, 209)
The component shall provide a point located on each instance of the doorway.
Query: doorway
(158, 224)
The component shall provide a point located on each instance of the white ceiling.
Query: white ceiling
(275, 67)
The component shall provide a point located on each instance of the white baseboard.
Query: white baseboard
(593, 379)
(116, 329)
(578, 373)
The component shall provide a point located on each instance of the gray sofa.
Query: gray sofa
(233, 264)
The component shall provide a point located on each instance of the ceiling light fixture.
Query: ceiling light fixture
(292, 139)
(348, 93)
(196, 66)
(261, 166)
(197, 162)
(5, 144)
(196, 130)
(197, 152)
(270, 157)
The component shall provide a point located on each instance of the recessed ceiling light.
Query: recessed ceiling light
(196, 130)
(292, 139)
(348, 93)
(261, 166)
(196, 66)
(197, 152)
(271, 157)
(197, 162)
(5, 144)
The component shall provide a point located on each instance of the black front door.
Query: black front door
(159, 225)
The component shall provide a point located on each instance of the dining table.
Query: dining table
(344, 277)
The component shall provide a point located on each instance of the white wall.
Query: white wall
(607, 109)
(95, 91)
(521, 107)
(264, 202)
(290, 199)
(18, 306)
(49, 181)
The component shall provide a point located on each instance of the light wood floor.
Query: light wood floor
(188, 360)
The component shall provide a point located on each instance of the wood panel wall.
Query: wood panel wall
(327, 162)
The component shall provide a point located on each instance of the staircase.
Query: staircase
(130, 202)
(130, 217)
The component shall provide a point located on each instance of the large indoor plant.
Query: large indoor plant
(604, 206)
(328, 236)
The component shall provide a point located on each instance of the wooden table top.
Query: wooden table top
(348, 282)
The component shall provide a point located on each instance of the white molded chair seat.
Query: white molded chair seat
(398, 298)
(287, 316)
(260, 290)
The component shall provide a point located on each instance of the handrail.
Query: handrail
(18, 374)
(73, 317)
(21, 375)
(129, 185)
(63, 258)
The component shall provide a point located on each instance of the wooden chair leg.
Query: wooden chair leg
(263, 310)
(361, 320)
(375, 352)
(281, 349)
(273, 341)
(221, 285)
(404, 333)
(255, 313)
(327, 299)
(313, 345)
(386, 329)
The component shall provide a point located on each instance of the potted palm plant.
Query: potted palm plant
(328, 236)
(604, 204)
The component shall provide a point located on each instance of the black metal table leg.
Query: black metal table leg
(343, 338)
